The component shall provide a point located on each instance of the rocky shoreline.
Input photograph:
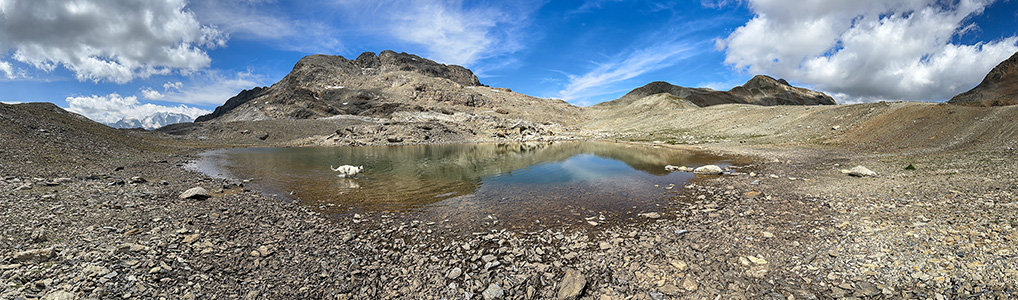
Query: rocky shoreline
(798, 228)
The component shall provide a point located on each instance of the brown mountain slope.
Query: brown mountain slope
(379, 86)
(45, 135)
(999, 87)
(760, 90)
(881, 126)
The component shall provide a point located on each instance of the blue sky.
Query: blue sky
(109, 59)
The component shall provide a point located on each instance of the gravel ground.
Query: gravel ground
(791, 226)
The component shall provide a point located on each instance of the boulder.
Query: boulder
(708, 170)
(34, 255)
(859, 171)
(198, 193)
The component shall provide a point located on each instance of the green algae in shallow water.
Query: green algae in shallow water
(517, 184)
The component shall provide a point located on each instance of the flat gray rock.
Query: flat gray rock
(195, 193)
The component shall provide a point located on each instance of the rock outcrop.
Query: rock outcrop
(998, 88)
(241, 98)
(761, 90)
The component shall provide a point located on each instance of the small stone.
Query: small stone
(756, 260)
(255, 253)
(867, 289)
(572, 285)
(251, 295)
(39, 235)
(757, 272)
(767, 234)
(651, 215)
(860, 171)
(493, 292)
(708, 170)
(689, 285)
(680, 265)
(264, 251)
(669, 289)
(59, 295)
(454, 273)
(198, 193)
(488, 258)
(752, 194)
(93, 270)
(604, 245)
(191, 238)
(34, 254)
(137, 180)
(491, 264)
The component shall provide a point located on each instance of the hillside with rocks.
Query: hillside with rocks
(414, 99)
(43, 139)
(760, 90)
(1000, 87)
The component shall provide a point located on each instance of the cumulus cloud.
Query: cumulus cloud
(450, 31)
(111, 108)
(211, 88)
(107, 40)
(867, 50)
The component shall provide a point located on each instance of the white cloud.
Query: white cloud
(867, 50)
(601, 80)
(105, 40)
(112, 108)
(212, 88)
(7, 69)
(450, 31)
(151, 94)
(173, 85)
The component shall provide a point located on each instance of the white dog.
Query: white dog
(347, 170)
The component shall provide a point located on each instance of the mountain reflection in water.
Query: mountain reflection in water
(518, 183)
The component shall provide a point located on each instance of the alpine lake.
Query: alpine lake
(470, 186)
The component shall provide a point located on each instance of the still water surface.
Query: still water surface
(471, 184)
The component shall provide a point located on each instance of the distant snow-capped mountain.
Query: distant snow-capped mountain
(152, 121)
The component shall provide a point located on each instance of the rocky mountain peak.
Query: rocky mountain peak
(999, 87)
(762, 81)
(321, 67)
(760, 90)
(765, 90)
